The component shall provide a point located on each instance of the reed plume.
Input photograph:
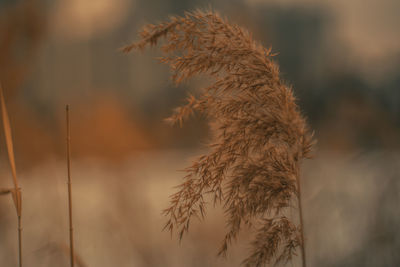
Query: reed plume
(259, 136)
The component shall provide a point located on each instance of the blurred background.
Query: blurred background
(341, 56)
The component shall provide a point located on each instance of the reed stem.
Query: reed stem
(19, 240)
(16, 192)
(71, 230)
(303, 250)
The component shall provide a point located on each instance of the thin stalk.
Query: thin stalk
(16, 192)
(71, 229)
(20, 241)
(303, 250)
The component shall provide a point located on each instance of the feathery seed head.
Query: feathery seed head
(260, 137)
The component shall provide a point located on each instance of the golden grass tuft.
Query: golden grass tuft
(259, 135)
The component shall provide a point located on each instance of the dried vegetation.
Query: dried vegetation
(16, 191)
(259, 134)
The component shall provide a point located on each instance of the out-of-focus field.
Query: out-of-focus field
(350, 200)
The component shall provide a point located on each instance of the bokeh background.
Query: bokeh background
(341, 56)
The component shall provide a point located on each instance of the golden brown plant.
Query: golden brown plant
(259, 135)
(16, 191)
(71, 229)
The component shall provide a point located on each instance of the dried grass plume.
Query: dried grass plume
(259, 135)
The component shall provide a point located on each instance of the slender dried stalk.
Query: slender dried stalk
(259, 135)
(303, 244)
(16, 191)
(71, 229)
